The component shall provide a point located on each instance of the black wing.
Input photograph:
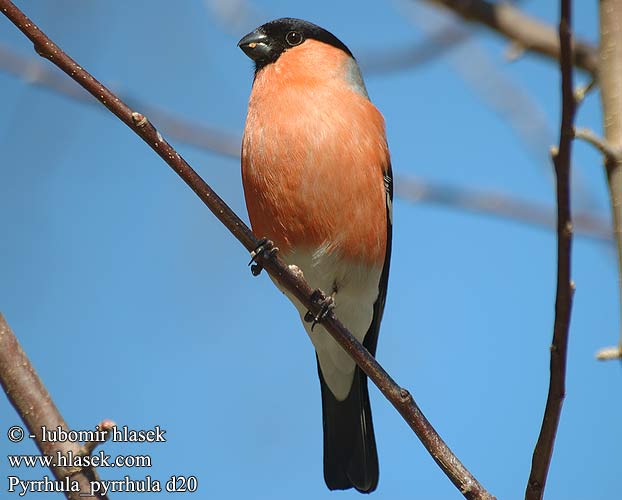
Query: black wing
(350, 457)
(371, 337)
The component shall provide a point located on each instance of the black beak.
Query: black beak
(256, 46)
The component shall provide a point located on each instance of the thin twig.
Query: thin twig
(196, 134)
(501, 205)
(611, 153)
(610, 77)
(235, 15)
(292, 281)
(34, 404)
(436, 44)
(609, 353)
(522, 29)
(587, 224)
(565, 287)
(582, 91)
(104, 427)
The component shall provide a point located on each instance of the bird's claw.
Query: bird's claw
(327, 304)
(265, 248)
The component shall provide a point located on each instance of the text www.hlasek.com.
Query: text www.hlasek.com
(71, 460)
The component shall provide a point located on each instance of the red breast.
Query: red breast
(314, 156)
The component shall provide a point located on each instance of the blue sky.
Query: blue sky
(135, 304)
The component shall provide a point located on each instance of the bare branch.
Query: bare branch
(34, 404)
(565, 287)
(611, 153)
(494, 204)
(292, 281)
(234, 15)
(399, 59)
(210, 138)
(196, 134)
(521, 29)
(610, 76)
(609, 353)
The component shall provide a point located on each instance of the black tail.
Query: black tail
(350, 458)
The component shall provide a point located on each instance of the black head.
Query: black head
(266, 44)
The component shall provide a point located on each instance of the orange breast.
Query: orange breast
(314, 156)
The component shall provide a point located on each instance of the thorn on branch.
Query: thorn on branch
(140, 120)
(568, 229)
(40, 50)
(581, 92)
(104, 427)
(404, 394)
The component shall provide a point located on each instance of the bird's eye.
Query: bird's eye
(293, 38)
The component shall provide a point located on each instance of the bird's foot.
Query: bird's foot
(266, 249)
(327, 304)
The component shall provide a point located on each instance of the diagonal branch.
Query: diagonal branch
(523, 30)
(401, 399)
(34, 404)
(565, 287)
(209, 138)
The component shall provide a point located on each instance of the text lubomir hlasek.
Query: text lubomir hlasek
(117, 434)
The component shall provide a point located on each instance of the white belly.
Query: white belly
(357, 290)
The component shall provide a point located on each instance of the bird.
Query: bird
(318, 185)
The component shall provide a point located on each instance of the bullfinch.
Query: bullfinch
(318, 184)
